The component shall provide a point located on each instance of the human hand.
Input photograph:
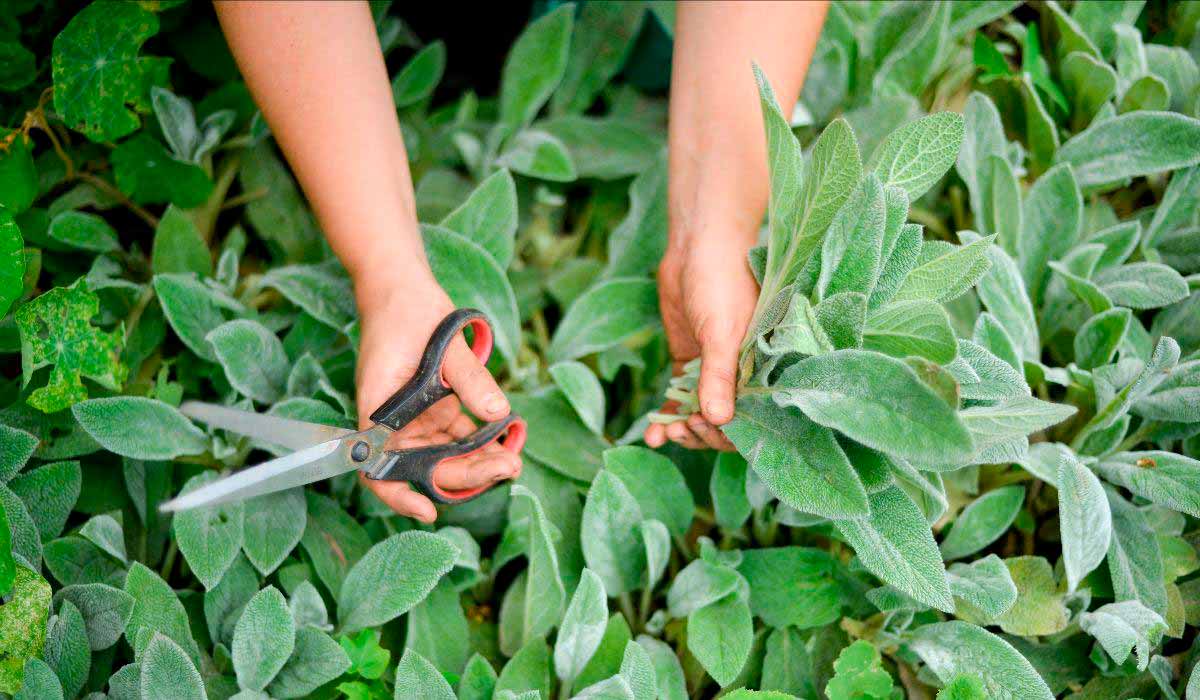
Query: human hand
(397, 318)
(707, 296)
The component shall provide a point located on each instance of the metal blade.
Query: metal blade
(315, 463)
(285, 432)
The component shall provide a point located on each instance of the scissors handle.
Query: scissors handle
(428, 386)
(416, 465)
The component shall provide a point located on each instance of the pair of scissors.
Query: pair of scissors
(324, 451)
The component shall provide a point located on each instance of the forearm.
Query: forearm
(718, 163)
(317, 72)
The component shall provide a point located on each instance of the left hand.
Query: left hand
(707, 296)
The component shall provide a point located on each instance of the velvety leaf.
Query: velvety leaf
(791, 586)
(603, 38)
(105, 610)
(656, 483)
(418, 78)
(333, 540)
(392, 577)
(67, 650)
(728, 490)
(1097, 340)
(474, 280)
(1169, 479)
(39, 682)
(139, 427)
(156, 611)
(168, 673)
(488, 217)
(178, 246)
(539, 154)
(478, 679)
(917, 155)
(418, 679)
(279, 216)
(719, 636)
(985, 584)
(1133, 144)
(1122, 628)
(611, 545)
(273, 526)
(799, 460)
(858, 672)
(322, 291)
(698, 584)
(1052, 216)
(877, 401)
(1003, 292)
(545, 596)
(209, 538)
(582, 627)
(983, 521)
(637, 244)
(1039, 609)
(49, 493)
(84, 231)
(316, 660)
(604, 316)
(1142, 285)
(253, 358)
(851, 255)
(911, 328)
(895, 544)
(582, 389)
(534, 66)
(946, 273)
(603, 148)
(263, 640)
(1135, 569)
(1084, 519)
(955, 647)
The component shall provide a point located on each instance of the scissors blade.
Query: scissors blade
(285, 432)
(315, 463)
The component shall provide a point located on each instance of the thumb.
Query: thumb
(473, 383)
(718, 376)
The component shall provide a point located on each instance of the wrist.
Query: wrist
(396, 273)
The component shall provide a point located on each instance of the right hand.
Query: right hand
(397, 318)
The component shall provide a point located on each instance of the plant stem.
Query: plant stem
(626, 603)
(169, 560)
(102, 184)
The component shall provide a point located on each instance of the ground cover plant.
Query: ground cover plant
(968, 423)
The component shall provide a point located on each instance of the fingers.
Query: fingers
(718, 375)
(681, 433)
(484, 468)
(711, 435)
(473, 383)
(655, 435)
(400, 497)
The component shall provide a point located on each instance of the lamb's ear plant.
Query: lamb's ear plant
(967, 424)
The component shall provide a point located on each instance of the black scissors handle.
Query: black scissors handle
(416, 465)
(427, 387)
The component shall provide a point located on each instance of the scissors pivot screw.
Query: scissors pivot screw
(360, 451)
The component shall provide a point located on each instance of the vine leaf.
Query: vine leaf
(56, 330)
(100, 81)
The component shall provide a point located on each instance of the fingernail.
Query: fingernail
(720, 409)
(496, 403)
